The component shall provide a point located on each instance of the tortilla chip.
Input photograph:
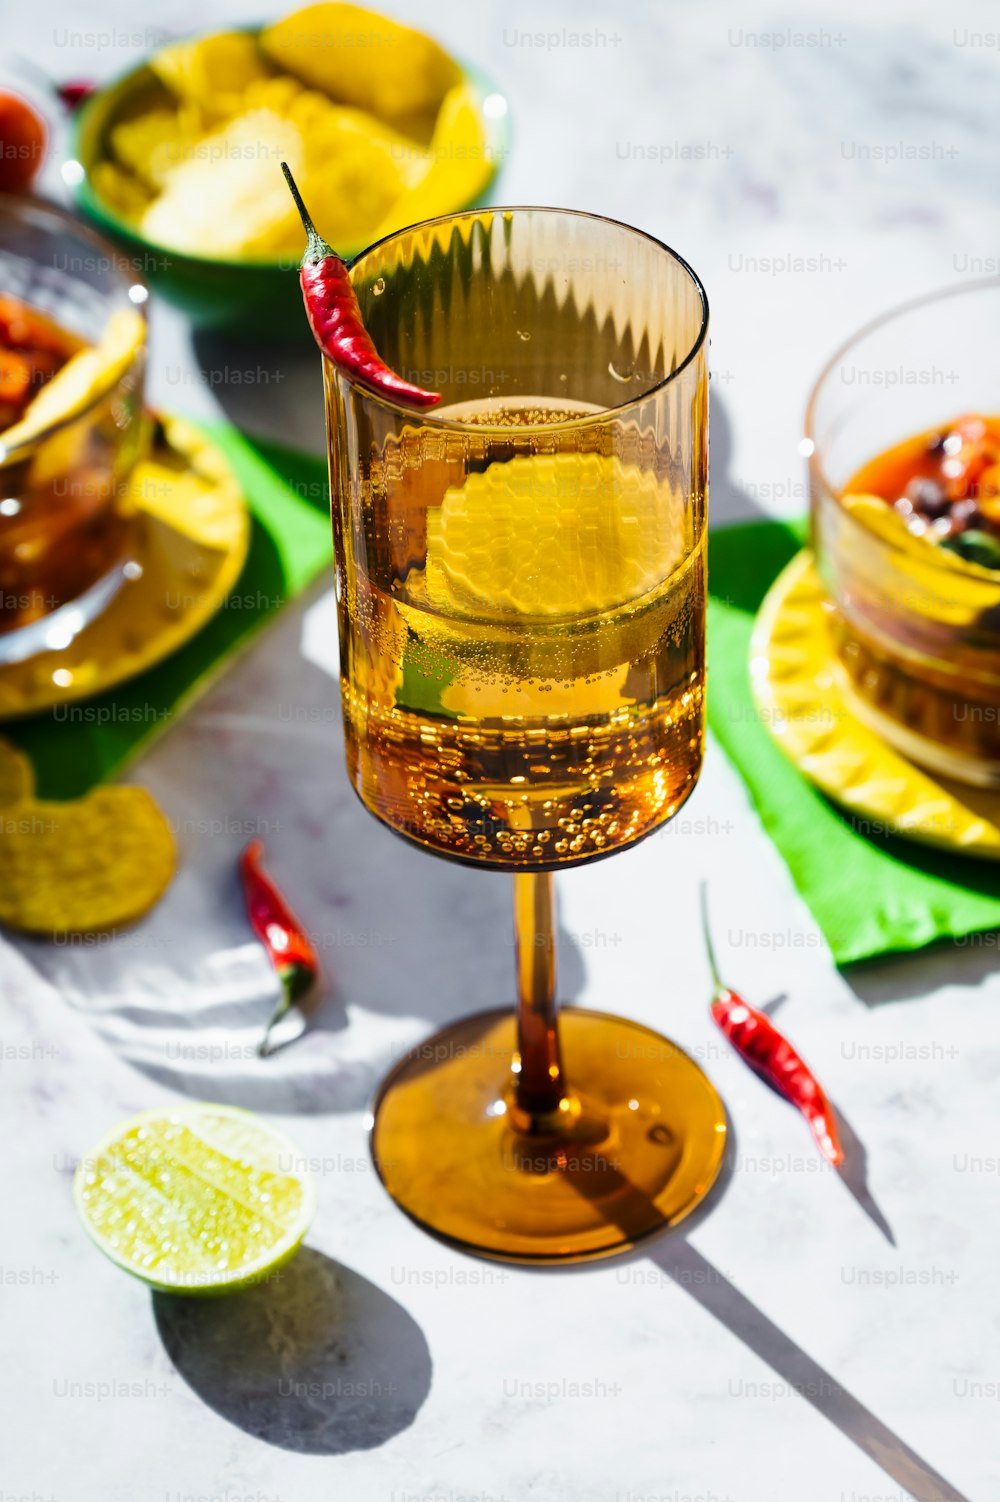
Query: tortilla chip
(86, 866)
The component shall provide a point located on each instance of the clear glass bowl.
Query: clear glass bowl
(64, 530)
(917, 635)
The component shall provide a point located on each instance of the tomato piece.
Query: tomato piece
(23, 138)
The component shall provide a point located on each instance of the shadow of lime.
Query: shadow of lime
(317, 1359)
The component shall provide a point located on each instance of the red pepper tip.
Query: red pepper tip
(418, 397)
(832, 1151)
(251, 855)
(828, 1139)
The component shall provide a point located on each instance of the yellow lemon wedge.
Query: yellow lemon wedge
(922, 576)
(81, 378)
(552, 535)
(879, 517)
(807, 708)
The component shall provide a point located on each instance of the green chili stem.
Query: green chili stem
(709, 947)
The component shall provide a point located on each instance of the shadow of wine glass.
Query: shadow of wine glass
(671, 1251)
(720, 1298)
(316, 1359)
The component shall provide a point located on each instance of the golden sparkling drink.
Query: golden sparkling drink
(522, 634)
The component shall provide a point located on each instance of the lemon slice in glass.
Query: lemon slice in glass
(925, 578)
(197, 1199)
(559, 535)
(85, 374)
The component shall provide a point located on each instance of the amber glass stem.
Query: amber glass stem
(539, 1087)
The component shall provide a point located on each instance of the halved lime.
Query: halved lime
(197, 1199)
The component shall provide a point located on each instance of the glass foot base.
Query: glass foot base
(643, 1143)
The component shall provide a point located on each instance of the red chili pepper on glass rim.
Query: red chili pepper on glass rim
(335, 316)
(771, 1055)
(277, 928)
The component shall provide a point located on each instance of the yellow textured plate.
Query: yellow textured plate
(805, 703)
(190, 537)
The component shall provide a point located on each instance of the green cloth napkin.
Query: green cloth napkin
(290, 543)
(869, 895)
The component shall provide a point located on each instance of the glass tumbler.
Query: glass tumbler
(64, 533)
(917, 637)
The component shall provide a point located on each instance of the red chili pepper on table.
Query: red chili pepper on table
(73, 93)
(287, 945)
(772, 1056)
(335, 316)
(70, 94)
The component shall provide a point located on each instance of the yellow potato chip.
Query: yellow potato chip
(370, 115)
(363, 59)
(278, 94)
(355, 169)
(153, 143)
(228, 197)
(17, 780)
(212, 71)
(82, 867)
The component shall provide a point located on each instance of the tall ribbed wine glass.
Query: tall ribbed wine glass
(521, 589)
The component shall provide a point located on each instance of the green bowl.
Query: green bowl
(253, 297)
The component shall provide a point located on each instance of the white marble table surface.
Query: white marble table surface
(799, 1342)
